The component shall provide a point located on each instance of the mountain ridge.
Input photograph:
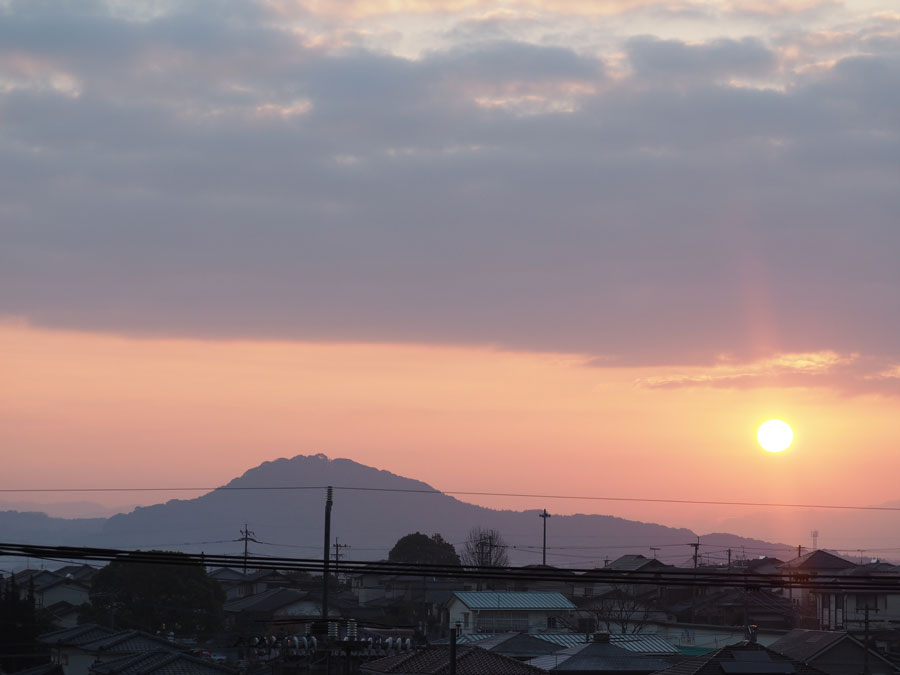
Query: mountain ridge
(282, 502)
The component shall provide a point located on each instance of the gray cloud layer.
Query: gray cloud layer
(213, 174)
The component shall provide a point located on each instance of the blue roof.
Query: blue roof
(513, 600)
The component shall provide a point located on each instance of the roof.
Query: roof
(43, 669)
(128, 642)
(77, 635)
(599, 657)
(513, 600)
(633, 563)
(267, 601)
(818, 561)
(160, 662)
(517, 645)
(807, 645)
(435, 660)
(742, 658)
(639, 643)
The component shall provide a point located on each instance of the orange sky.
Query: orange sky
(91, 410)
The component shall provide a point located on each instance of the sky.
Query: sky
(556, 247)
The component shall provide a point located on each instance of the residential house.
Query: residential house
(742, 658)
(846, 608)
(79, 649)
(814, 565)
(503, 611)
(833, 652)
(276, 609)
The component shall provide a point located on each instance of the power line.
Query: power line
(674, 577)
(469, 493)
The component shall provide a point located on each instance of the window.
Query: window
(465, 619)
(551, 622)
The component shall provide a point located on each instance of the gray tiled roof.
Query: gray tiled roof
(267, 601)
(436, 661)
(128, 642)
(599, 657)
(77, 635)
(639, 643)
(513, 600)
(743, 658)
(160, 662)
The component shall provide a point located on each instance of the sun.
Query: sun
(775, 435)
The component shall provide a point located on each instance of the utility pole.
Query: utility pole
(326, 554)
(338, 555)
(729, 558)
(544, 517)
(653, 550)
(246, 535)
(696, 546)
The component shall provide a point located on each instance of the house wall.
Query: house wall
(73, 593)
(500, 621)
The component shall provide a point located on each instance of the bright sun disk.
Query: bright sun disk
(775, 435)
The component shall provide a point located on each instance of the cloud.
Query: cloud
(711, 61)
(229, 176)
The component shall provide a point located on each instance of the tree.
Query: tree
(418, 548)
(20, 625)
(485, 548)
(151, 596)
(620, 610)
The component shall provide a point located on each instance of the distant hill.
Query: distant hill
(289, 521)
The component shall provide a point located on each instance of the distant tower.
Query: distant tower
(815, 537)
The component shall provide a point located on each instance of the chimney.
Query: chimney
(601, 637)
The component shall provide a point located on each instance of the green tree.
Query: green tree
(151, 596)
(422, 549)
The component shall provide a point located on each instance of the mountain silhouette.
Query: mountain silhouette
(282, 502)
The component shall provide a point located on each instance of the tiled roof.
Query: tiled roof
(436, 661)
(639, 643)
(804, 644)
(599, 657)
(741, 659)
(633, 563)
(128, 642)
(267, 601)
(513, 600)
(77, 635)
(517, 645)
(43, 669)
(818, 561)
(807, 645)
(160, 662)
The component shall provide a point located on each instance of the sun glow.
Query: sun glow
(775, 435)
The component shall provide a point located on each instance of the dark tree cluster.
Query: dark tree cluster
(155, 597)
(20, 625)
(418, 548)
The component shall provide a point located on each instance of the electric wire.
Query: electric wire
(469, 493)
